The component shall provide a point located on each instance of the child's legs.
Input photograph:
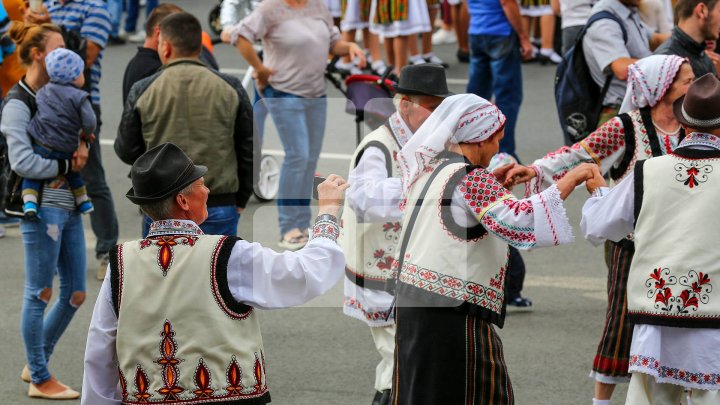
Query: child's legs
(31, 190)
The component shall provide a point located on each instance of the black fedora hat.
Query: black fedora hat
(160, 172)
(700, 107)
(425, 79)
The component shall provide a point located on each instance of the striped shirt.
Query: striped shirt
(92, 19)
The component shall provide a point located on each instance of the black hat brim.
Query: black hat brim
(411, 92)
(196, 172)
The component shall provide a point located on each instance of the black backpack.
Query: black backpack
(578, 98)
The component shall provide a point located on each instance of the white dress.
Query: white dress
(418, 21)
(334, 7)
(353, 17)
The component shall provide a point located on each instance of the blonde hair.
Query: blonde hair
(29, 36)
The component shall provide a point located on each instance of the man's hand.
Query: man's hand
(526, 48)
(331, 193)
(517, 175)
(262, 77)
(575, 177)
(354, 51)
(80, 157)
(226, 35)
(596, 181)
(501, 172)
(32, 17)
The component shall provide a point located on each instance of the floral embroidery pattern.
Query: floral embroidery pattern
(382, 258)
(481, 191)
(173, 227)
(696, 291)
(519, 206)
(202, 378)
(692, 174)
(325, 229)
(699, 138)
(518, 237)
(490, 297)
(664, 372)
(608, 139)
(376, 316)
(166, 244)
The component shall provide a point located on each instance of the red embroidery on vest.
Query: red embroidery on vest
(168, 349)
(698, 287)
(202, 381)
(141, 385)
(166, 243)
(234, 378)
(692, 175)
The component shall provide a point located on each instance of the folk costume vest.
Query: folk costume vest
(441, 263)
(370, 247)
(676, 267)
(181, 336)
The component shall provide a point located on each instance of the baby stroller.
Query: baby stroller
(369, 97)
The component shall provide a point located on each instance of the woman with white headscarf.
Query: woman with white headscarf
(451, 261)
(645, 127)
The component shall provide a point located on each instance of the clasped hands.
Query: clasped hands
(588, 173)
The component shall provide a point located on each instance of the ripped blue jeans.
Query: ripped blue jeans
(55, 243)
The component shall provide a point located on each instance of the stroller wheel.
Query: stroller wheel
(214, 20)
(268, 183)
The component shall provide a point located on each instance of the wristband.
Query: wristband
(326, 226)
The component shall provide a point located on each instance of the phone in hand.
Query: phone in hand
(316, 182)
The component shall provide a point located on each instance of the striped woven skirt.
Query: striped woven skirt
(611, 360)
(445, 356)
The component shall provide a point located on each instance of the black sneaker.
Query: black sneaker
(519, 304)
(116, 41)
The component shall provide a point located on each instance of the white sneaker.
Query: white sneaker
(137, 37)
(431, 58)
(416, 60)
(551, 55)
(442, 36)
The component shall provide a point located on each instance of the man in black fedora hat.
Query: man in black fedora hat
(670, 207)
(371, 218)
(175, 314)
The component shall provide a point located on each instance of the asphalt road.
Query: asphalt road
(315, 354)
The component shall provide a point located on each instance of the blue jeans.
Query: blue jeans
(260, 113)
(495, 69)
(115, 8)
(74, 179)
(54, 242)
(103, 219)
(300, 124)
(222, 220)
(133, 11)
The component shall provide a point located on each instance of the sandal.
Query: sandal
(293, 240)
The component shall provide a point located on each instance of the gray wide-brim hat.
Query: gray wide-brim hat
(161, 172)
(425, 79)
(700, 107)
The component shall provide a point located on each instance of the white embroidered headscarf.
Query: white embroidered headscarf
(463, 118)
(649, 79)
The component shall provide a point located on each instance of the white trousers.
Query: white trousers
(384, 337)
(644, 390)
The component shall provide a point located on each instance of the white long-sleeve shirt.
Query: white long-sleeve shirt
(257, 276)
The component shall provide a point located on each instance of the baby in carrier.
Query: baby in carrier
(64, 117)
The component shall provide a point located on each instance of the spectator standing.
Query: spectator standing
(55, 243)
(498, 43)
(131, 19)
(652, 13)
(606, 53)
(146, 61)
(540, 11)
(115, 8)
(205, 112)
(296, 36)
(91, 20)
(698, 21)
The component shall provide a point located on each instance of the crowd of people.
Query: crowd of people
(425, 232)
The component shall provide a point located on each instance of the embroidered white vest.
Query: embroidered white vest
(370, 247)
(676, 266)
(181, 336)
(446, 264)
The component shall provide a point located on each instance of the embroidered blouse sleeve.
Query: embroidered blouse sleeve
(263, 278)
(373, 196)
(605, 146)
(532, 222)
(610, 216)
(100, 379)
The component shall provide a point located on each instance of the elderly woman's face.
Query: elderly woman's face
(683, 80)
